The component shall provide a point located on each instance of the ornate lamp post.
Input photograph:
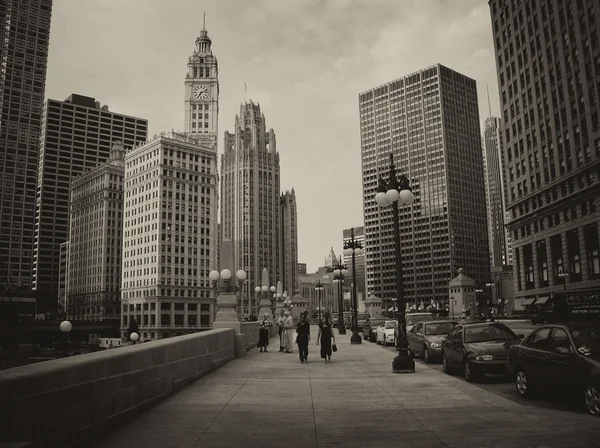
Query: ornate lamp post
(225, 276)
(339, 273)
(241, 278)
(65, 327)
(563, 274)
(214, 277)
(319, 289)
(392, 192)
(134, 337)
(354, 248)
(255, 309)
(490, 285)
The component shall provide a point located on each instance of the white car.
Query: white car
(386, 332)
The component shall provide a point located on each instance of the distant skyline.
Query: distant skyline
(304, 62)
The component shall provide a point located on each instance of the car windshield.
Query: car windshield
(413, 319)
(486, 333)
(587, 340)
(390, 325)
(438, 329)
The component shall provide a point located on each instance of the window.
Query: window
(559, 339)
(538, 340)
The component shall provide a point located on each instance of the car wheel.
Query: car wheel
(426, 357)
(592, 399)
(445, 366)
(470, 374)
(522, 383)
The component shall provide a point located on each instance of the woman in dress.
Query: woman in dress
(288, 332)
(303, 337)
(264, 326)
(325, 337)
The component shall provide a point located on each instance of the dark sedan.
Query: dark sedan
(560, 357)
(478, 349)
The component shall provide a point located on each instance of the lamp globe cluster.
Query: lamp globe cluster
(387, 198)
(348, 252)
(342, 271)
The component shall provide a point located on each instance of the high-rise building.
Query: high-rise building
(301, 268)
(93, 286)
(24, 39)
(63, 277)
(496, 190)
(169, 236)
(250, 209)
(202, 93)
(547, 57)
(429, 121)
(77, 135)
(361, 286)
(289, 242)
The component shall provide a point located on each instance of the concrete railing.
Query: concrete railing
(66, 401)
(251, 334)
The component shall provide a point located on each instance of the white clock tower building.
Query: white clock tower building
(202, 93)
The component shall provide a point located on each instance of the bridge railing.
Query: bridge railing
(68, 400)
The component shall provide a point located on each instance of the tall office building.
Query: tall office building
(250, 209)
(95, 235)
(547, 58)
(289, 242)
(169, 236)
(77, 135)
(301, 268)
(24, 38)
(429, 120)
(361, 284)
(496, 190)
(202, 93)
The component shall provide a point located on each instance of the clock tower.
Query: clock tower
(202, 92)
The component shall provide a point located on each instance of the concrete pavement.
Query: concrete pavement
(271, 399)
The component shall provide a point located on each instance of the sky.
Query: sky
(304, 61)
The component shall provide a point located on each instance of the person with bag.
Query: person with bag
(325, 338)
(303, 337)
(264, 326)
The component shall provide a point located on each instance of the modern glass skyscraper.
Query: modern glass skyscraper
(429, 120)
(24, 38)
(548, 63)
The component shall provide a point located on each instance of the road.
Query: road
(504, 387)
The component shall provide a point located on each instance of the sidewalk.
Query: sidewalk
(271, 399)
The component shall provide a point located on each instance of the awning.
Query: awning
(528, 301)
(542, 300)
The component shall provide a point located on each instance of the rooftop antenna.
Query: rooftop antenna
(204, 21)
(245, 91)
(488, 97)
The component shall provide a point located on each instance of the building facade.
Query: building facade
(328, 298)
(250, 199)
(496, 190)
(95, 241)
(77, 135)
(24, 39)
(202, 93)
(361, 284)
(429, 120)
(301, 268)
(289, 242)
(169, 236)
(63, 277)
(547, 62)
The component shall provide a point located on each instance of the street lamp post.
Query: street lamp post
(490, 285)
(134, 337)
(241, 277)
(319, 290)
(255, 310)
(339, 273)
(354, 247)
(65, 327)
(390, 193)
(477, 309)
(563, 274)
(227, 286)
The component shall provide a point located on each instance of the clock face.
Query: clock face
(201, 92)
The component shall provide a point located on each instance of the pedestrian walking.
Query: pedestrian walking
(325, 337)
(281, 324)
(303, 337)
(288, 332)
(263, 340)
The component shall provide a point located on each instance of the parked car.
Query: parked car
(386, 332)
(334, 320)
(361, 317)
(478, 349)
(413, 318)
(563, 357)
(425, 338)
(369, 329)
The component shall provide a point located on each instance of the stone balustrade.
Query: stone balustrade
(251, 332)
(67, 401)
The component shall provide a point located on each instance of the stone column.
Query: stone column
(265, 303)
(172, 314)
(185, 315)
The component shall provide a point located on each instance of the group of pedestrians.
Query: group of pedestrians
(285, 323)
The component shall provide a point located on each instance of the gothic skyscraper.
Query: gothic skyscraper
(289, 242)
(202, 93)
(250, 208)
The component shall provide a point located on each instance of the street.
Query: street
(504, 387)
